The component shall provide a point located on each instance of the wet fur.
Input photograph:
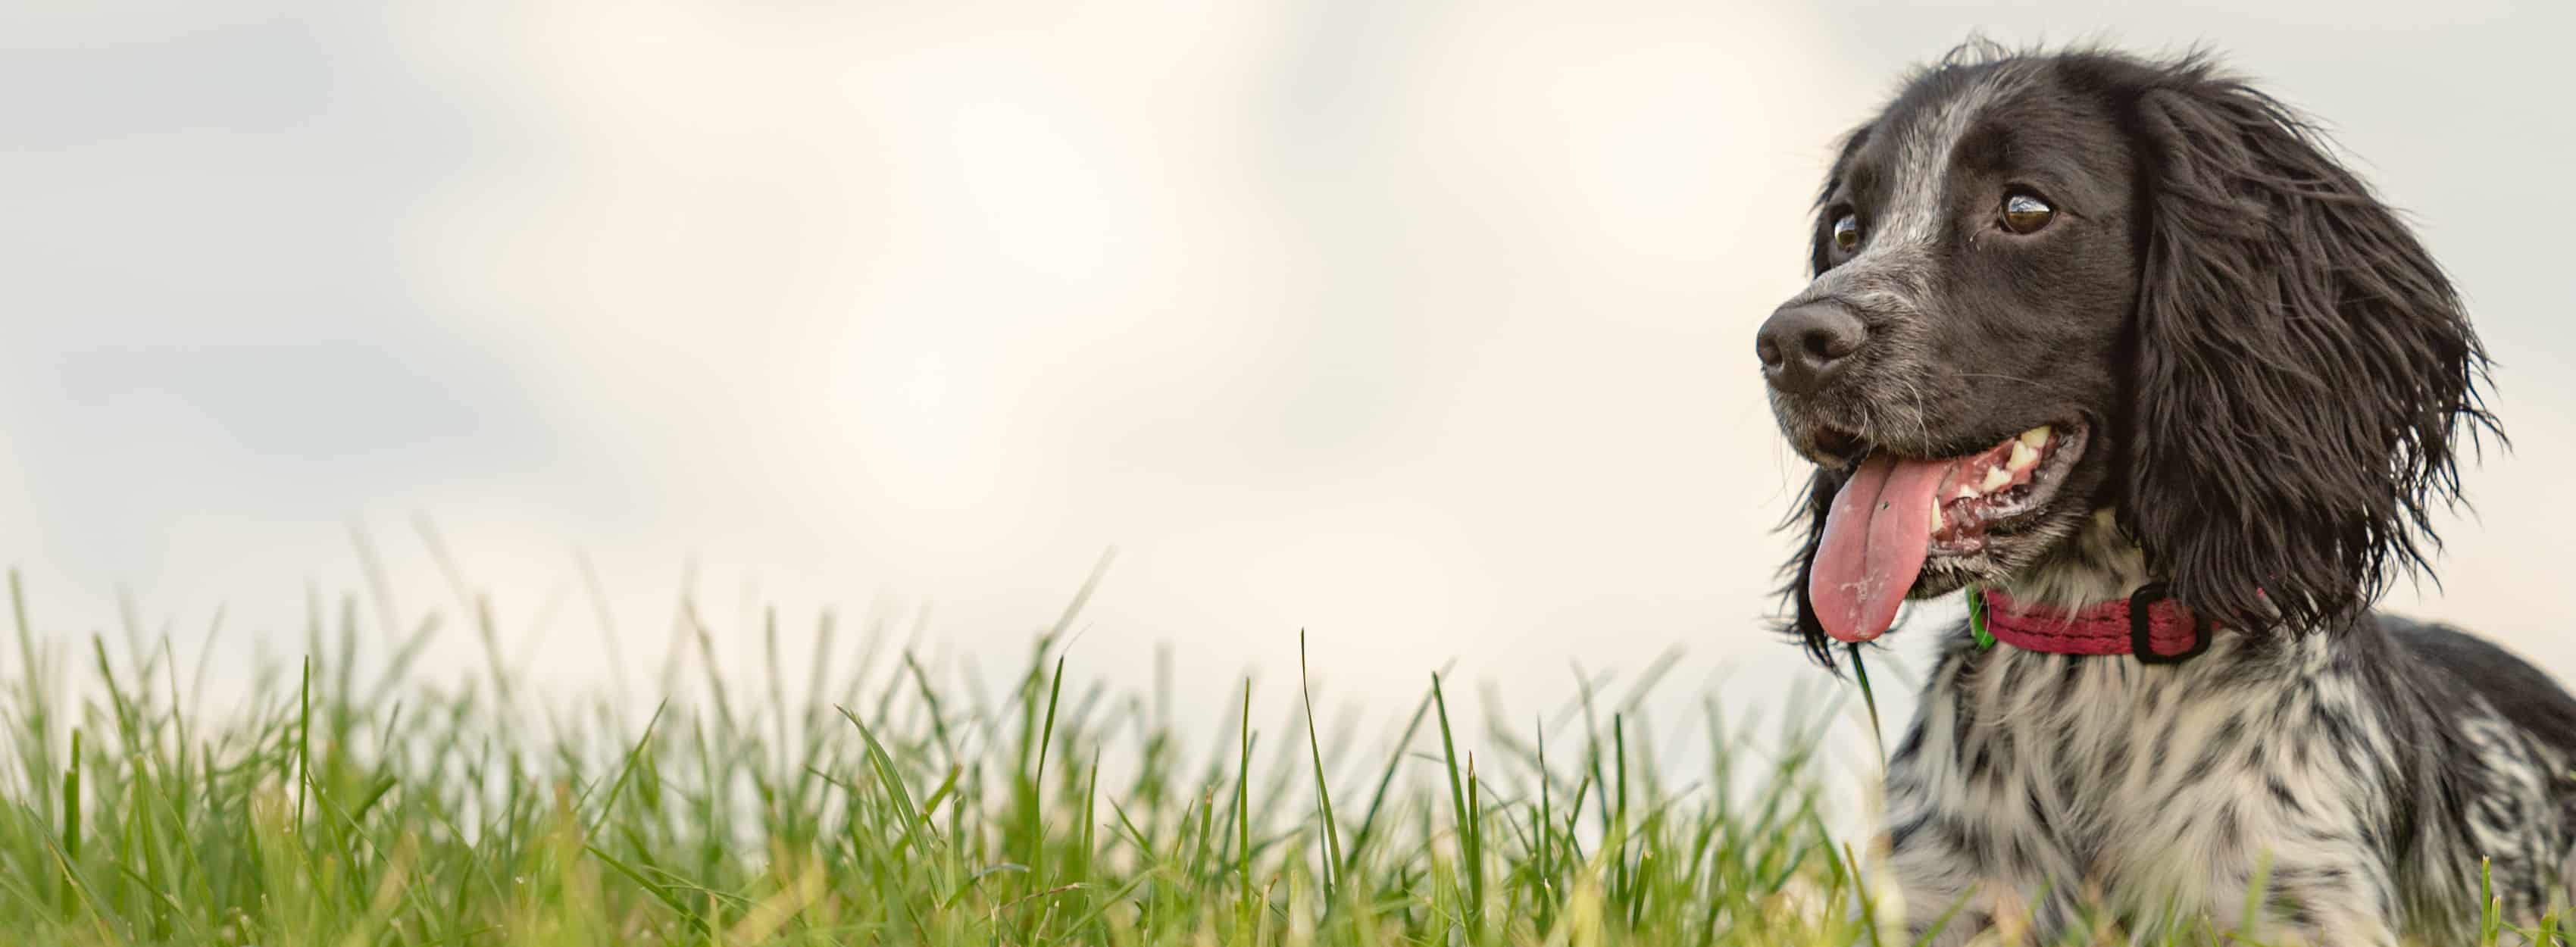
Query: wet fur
(2275, 376)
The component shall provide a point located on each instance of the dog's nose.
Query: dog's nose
(1803, 347)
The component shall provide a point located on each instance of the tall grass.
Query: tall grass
(906, 809)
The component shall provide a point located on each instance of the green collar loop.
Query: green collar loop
(1977, 618)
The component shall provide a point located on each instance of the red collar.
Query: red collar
(2169, 632)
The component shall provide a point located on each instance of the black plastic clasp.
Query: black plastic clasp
(2141, 643)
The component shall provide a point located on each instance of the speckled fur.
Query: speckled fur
(2272, 371)
(2362, 782)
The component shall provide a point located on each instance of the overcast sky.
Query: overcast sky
(1424, 327)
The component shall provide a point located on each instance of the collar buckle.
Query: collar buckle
(2141, 625)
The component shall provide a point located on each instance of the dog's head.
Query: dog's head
(2072, 296)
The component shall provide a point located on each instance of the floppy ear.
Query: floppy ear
(2302, 366)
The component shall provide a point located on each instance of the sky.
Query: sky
(1422, 328)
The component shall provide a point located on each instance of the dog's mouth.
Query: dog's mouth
(1896, 511)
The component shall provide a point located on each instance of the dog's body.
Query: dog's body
(2206, 359)
(2359, 777)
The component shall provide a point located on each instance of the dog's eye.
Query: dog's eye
(2024, 213)
(1847, 233)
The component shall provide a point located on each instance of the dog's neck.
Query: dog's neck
(2097, 564)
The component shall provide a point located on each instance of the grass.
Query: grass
(904, 809)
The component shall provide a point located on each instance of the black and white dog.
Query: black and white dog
(2118, 348)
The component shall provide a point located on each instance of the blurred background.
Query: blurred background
(1422, 327)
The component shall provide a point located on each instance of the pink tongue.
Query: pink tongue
(1875, 539)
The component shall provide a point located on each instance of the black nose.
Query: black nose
(1803, 347)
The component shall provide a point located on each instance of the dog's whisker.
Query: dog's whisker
(2000, 375)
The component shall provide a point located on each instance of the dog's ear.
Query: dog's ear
(1808, 519)
(2302, 367)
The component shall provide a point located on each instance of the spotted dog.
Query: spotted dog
(2118, 348)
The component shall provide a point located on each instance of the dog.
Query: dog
(2116, 346)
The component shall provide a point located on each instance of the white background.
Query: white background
(1423, 327)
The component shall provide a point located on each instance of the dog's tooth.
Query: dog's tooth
(2022, 456)
(1996, 477)
(1936, 516)
(2035, 436)
(1967, 493)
